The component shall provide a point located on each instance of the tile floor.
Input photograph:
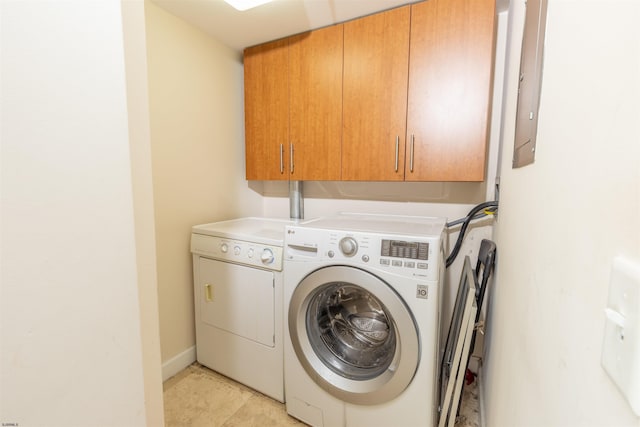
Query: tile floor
(200, 397)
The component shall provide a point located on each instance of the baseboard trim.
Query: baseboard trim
(177, 363)
(483, 421)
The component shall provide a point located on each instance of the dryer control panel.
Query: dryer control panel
(237, 251)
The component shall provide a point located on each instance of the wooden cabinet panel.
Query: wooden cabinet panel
(450, 77)
(376, 58)
(315, 98)
(266, 109)
(335, 103)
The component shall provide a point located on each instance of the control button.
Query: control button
(331, 254)
(410, 264)
(365, 258)
(224, 248)
(384, 261)
(236, 250)
(423, 251)
(386, 247)
(396, 263)
(267, 256)
(250, 253)
(348, 246)
(422, 265)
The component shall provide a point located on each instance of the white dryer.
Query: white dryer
(362, 300)
(237, 267)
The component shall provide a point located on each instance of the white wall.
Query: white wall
(564, 218)
(71, 286)
(196, 111)
(135, 49)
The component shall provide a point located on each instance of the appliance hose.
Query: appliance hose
(487, 208)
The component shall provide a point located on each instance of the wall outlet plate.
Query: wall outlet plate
(621, 344)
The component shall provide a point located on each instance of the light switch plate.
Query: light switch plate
(621, 345)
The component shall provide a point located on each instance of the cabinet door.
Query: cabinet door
(266, 109)
(376, 61)
(315, 64)
(450, 76)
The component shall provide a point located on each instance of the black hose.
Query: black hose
(465, 224)
(461, 220)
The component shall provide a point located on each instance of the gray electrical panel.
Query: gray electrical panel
(530, 83)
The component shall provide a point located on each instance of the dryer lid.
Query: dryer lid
(267, 231)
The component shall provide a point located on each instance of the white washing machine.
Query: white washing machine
(362, 304)
(238, 286)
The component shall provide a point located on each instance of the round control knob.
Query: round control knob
(331, 254)
(348, 246)
(365, 258)
(224, 248)
(267, 256)
(236, 250)
(250, 253)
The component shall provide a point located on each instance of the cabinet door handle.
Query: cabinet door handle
(291, 156)
(281, 159)
(413, 138)
(208, 292)
(397, 148)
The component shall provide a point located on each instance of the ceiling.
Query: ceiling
(273, 20)
(270, 21)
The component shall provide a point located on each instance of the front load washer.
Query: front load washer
(362, 304)
(237, 267)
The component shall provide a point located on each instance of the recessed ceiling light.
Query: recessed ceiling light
(246, 4)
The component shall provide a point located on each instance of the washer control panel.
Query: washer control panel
(237, 251)
(348, 246)
(404, 249)
(406, 255)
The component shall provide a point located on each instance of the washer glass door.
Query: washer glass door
(353, 334)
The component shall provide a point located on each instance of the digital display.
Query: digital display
(402, 249)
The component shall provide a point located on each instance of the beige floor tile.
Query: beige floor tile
(469, 415)
(200, 397)
(261, 411)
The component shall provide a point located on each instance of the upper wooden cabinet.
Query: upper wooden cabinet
(376, 61)
(266, 111)
(399, 95)
(450, 80)
(315, 104)
(293, 107)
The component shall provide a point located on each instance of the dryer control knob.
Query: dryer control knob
(267, 256)
(348, 246)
